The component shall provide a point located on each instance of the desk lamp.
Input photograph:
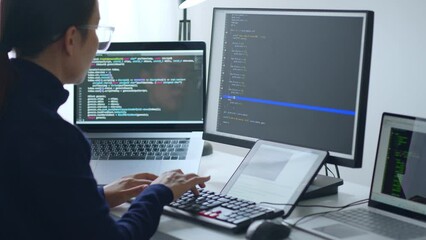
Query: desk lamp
(185, 24)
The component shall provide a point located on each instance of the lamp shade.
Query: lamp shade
(189, 3)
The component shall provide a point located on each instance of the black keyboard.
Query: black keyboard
(219, 210)
(139, 149)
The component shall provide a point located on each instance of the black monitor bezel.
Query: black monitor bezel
(356, 162)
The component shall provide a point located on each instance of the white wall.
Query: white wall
(135, 20)
(141, 20)
(398, 70)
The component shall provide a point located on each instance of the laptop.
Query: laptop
(142, 107)
(397, 202)
(270, 173)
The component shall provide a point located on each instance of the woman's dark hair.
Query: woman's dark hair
(29, 26)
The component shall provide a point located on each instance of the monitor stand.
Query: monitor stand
(322, 186)
(207, 149)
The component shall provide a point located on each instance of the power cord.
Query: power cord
(359, 202)
(337, 170)
(327, 169)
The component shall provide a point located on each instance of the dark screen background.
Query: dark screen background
(306, 60)
(142, 88)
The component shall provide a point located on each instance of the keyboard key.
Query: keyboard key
(119, 149)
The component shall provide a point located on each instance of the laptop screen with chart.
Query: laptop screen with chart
(397, 203)
(399, 181)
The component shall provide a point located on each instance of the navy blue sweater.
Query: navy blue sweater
(47, 189)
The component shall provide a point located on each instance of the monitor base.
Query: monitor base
(322, 186)
(207, 149)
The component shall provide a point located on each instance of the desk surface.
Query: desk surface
(220, 166)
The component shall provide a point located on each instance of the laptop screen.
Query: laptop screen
(143, 84)
(399, 175)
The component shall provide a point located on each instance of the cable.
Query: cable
(315, 205)
(337, 170)
(302, 205)
(328, 169)
(359, 202)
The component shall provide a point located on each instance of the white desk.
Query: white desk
(220, 166)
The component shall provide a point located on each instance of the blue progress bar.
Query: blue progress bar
(291, 105)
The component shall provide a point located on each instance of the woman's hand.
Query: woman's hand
(127, 187)
(180, 183)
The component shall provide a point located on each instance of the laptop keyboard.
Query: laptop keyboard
(379, 224)
(139, 149)
(219, 210)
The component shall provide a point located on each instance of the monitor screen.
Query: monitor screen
(293, 76)
(143, 84)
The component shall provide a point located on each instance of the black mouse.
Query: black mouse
(267, 230)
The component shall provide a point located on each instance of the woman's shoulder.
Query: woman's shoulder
(41, 128)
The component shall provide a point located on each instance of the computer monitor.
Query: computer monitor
(293, 76)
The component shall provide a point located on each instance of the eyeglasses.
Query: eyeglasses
(104, 34)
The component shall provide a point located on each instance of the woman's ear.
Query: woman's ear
(70, 39)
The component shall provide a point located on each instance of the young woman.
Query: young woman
(47, 188)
